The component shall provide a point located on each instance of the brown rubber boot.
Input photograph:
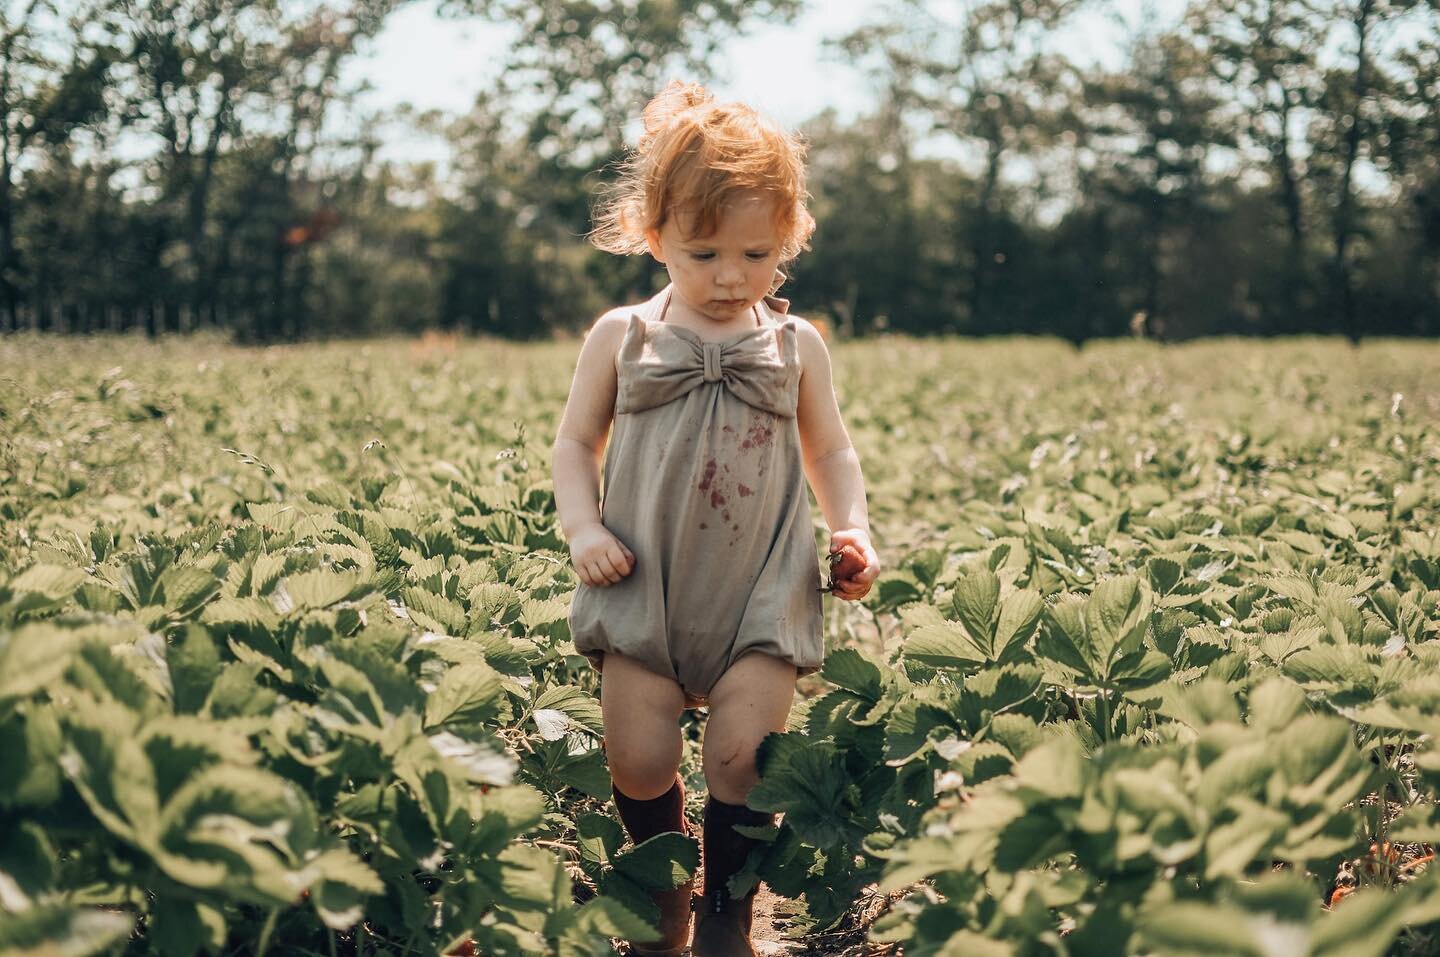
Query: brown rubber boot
(643, 820)
(722, 924)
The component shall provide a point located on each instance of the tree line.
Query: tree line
(1255, 167)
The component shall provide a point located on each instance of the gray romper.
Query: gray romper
(703, 481)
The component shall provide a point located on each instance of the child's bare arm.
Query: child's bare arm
(831, 463)
(598, 556)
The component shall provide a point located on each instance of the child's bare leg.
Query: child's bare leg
(749, 701)
(642, 726)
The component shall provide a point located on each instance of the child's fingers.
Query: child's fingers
(608, 569)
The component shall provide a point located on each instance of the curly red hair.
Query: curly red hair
(695, 156)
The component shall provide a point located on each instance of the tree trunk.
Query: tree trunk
(199, 200)
(1344, 229)
(980, 238)
(1293, 280)
(9, 294)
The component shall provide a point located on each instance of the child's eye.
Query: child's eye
(758, 256)
(702, 257)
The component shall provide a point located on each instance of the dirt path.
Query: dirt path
(768, 933)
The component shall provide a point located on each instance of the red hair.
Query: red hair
(694, 157)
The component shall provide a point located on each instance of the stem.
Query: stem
(266, 930)
(1102, 709)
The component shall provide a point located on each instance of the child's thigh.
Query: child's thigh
(753, 696)
(641, 709)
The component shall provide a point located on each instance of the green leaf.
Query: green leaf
(934, 641)
(32, 657)
(1365, 926)
(59, 929)
(182, 590)
(1064, 640)
(607, 917)
(1255, 519)
(663, 862)
(810, 786)
(1020, 616)
(974, 604)
(908, 729)
(599, 838)
(848, 668)
(1164, 574)
(194, 663)
(1056, 769)
(28, 864)
(480, 762)
(576, 704)
(468, 692)
(181, 927)
(1116, 617)
(321, 589)
(340, 886)
(966, 943)
(1231, 847)
(449, 615)
(53, 582)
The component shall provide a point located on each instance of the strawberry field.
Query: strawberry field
(1154, 666)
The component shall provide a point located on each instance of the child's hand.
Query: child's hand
(599, 557)
(854, 566)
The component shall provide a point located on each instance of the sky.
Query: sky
(784, 70)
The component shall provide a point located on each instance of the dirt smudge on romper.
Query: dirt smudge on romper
(759, 434)
(716, 478)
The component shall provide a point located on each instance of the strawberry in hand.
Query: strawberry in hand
(854, 566)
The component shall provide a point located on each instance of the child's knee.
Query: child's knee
(730, 769)
(642, 762)
(643, 782)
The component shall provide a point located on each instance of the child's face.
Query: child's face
(722, 275)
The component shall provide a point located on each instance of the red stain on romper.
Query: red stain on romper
(745, 490)
(759, 434)
(716, 499)
(709, 475)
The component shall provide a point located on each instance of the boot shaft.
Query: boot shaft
(645, 819)
(726, 848)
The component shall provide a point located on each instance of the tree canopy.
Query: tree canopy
(1255, 167)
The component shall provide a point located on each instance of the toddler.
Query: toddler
(697, 564)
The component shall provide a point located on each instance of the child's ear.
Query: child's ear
(652, 239)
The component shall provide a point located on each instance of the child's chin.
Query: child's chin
(728, 310)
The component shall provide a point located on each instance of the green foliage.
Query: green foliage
(1137, 684)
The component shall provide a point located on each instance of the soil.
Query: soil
(770, 939)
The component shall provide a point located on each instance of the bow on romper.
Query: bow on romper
(703, 481)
